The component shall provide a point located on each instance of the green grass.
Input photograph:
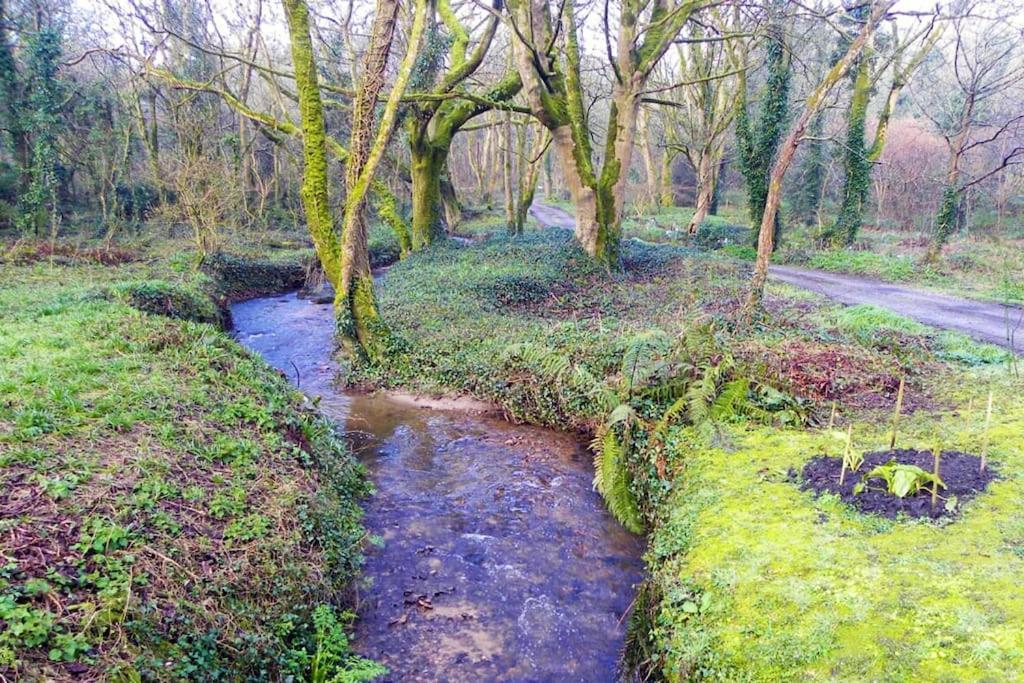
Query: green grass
(170, 510)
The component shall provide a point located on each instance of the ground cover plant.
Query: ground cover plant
(171, 509)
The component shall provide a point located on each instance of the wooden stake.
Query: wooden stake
(935, 471)
(984, 441)
(896, 413)
(846, 453)
(832, 417)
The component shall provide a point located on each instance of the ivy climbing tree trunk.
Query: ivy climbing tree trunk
(859, 156)
(758, 144)
(856, 166)
(814, 103)
(40, 203)
(13, 110)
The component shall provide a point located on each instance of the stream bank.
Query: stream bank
(497, 560)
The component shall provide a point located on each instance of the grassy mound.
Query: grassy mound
(170, 508)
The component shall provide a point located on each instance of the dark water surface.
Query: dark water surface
(499, 562)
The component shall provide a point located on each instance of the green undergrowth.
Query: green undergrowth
(753, 579)
(668, 225)
(170, 508)
(880, 327)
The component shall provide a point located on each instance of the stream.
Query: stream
(498, 561)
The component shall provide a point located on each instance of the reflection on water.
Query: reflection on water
(499, 562)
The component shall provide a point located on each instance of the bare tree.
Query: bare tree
(978, 107)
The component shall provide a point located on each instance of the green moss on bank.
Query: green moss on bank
(171, 509)
(763, 582)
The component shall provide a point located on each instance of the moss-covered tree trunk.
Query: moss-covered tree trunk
(426, 168)
(856, 166)
(814, 103)
(549, 63)
(314, 189)
(359, 323)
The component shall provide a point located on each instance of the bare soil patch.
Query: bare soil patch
(960, 472)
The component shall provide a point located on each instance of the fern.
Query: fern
(644, 358)
(731, 401)
(612, 480)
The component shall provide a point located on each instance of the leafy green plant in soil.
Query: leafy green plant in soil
(171, 508)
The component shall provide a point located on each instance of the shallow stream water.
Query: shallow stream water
(499, 562)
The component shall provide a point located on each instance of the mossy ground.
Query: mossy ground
(753, 578)
(171, 509)
(764, 582)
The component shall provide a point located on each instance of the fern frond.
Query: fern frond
(669, 416)
(612, 480)
(731, 400)
(644, 358)
(700, 395)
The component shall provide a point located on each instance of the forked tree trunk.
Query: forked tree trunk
(707, 168)
(528, 178)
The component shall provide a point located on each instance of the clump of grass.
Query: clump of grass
(865, 321)
(958, 347)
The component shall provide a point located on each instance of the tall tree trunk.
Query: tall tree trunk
(528, 178)
(314, 190)
(507, 172)
(707, 169)
(359, 322)
(856, 166)
(650, 170)
(667, 198)
(450, 201)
